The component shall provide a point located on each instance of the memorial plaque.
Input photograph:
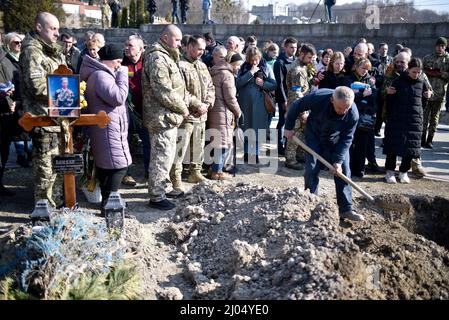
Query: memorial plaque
(69, 163)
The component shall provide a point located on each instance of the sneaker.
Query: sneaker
(219, 176)
(294, 166)
(196, 177)
(175, 194)
(403, 177)
(162, 205)
(352, 215)
(389, 177)
(129, 181)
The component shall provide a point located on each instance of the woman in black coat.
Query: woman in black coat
(365, 99)
(335, 74)
(404, 121)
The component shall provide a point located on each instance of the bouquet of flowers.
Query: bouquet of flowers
(83, 102)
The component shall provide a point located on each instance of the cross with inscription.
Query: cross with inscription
(28, 122)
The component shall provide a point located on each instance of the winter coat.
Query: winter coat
(207, 4)
(405, 118)
(331, 80)
(222, 116)
(165, 98)
(251, 97)
(107, 90)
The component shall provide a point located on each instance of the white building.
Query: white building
(80, 14)
(271, 13)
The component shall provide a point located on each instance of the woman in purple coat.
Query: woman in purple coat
(107, 89)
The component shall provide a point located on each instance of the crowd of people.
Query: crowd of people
(185, 92)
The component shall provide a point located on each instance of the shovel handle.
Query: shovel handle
(331, 167)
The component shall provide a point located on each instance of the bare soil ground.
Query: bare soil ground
(260, 236)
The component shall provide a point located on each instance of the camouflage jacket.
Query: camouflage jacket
(165, 97)
(37, 59)
(198, 83)
(440, 64)
(297, 75)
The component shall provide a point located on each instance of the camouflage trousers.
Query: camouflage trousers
(431, 117)
(163, 149)
(191, 134)
(293, 152)
(47, 185)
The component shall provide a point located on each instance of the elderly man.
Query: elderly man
(166, 104)
(329, 132)
(360, 51)
(233, 43)
(199, 84)
(133, 60)
(41, 55)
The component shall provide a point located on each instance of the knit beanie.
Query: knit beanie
(111, 52)
(441, 40)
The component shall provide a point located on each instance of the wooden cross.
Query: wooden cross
(28, 122)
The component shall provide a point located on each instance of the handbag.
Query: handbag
(269, 103)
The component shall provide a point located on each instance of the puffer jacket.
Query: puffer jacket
(107, 90)
(222, 116)
(404, 124)
(165, 98)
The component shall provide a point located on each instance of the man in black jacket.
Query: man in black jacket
(280, 69)
(329, 132)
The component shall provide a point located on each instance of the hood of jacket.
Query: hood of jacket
(218, 68)
(90, 65)
(32, 39)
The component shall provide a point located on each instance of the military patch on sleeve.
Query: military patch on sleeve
(36, 75)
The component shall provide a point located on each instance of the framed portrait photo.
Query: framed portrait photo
(63, 95)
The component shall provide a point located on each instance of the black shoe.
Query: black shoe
(162, 205)
(294, 166)
(374, 167)
(377, 134)
(5, 192)
(175, 194)
(245, 158)
(22, 161)
(358, 174)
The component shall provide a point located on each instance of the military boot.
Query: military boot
(177, 183)
(195, 177)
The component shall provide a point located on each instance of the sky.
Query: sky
(437, 5)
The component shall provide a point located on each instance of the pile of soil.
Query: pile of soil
(251, 242)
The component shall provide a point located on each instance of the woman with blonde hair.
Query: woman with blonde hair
(254, 78)
(365, 99)
(335, 74)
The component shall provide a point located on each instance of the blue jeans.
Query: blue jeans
(20, 147)
(329, 12)
(311, 179)
(220, 154)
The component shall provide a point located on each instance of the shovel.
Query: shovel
(389, 202)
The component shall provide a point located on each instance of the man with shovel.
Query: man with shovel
(329, 132)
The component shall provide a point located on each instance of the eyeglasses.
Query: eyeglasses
(17, 42)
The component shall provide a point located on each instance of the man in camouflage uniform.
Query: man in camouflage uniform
(436, 66)
(40, 56)
(193, 130)
(298, 85)
(166, 104)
